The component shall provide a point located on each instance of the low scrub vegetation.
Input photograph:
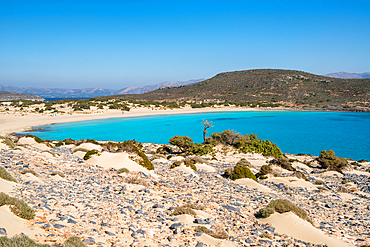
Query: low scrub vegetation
(18, 207)
(238, 172)
(247, 144)
(20, 242)
(54, 173)
(219, 233)
(4, 174)
(74, 242)
(9, 142)
(262, 174)
(25, 171)
(183, 210)
(122, 170)
(282, 206)
(283, 163)
(91, 153)
(328, 160)
(185, 162)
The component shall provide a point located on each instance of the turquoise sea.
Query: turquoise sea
(347, 133)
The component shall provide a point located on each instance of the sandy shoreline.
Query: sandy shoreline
(11, 123)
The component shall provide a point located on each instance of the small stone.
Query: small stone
(2, 231)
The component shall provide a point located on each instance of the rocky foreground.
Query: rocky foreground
(74, 197)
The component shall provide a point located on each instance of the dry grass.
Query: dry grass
(183, 210)
(136, 179)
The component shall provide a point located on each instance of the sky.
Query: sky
(116, 44)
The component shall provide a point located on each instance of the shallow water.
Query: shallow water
(347, 133)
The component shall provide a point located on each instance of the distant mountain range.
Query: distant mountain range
(346, 75)
(91, 92)
(15, 96)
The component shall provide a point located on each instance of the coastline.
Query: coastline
(10, 123)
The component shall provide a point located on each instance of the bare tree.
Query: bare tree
(206, 126)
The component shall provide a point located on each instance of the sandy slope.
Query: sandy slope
(15, 225)
(7, 186)
(250, 183)
(290, 224)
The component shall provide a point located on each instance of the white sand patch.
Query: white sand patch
(90, 146)
(291, 225)
(41, 146)
(116, 160)
(250, 183)
(27, 141)
(177, 158)
(57, 178)
(47, 155)
(30, 177)
(79, 154)
(300, 166)
(185, 169)
(7, 186)
(205, 238)
(293, 182)
(346, 196)
(3, 146)
(202, 214)
(15, 225)
(205, 167)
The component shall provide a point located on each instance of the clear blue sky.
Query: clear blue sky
(115, 44)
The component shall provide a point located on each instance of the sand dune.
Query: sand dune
(7, 186)
(15, 225)
(205, 167)
(293, 182)
(116, 160)
(290, 224)
(250, 183)
(90, 146)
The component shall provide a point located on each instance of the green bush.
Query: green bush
(74, 242)
(191, 165)
(328, 160)
(176, 164)
(282, 206)
(122, 170)
(29, 171)
(183, 142)
(200, 149)
(23, 241)
(238, 172)
(136, 147)
(265, 169)
(18, 207)
(4, 174)
(265, 212)
(90, 153)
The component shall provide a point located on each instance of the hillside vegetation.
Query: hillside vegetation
(269, 85)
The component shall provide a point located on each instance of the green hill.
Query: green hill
(269, 85)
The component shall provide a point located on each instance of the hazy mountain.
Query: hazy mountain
(345, 75)
(267, 85)
(15, 96)
(90, 92)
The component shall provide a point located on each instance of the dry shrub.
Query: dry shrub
(183, 210)
(219, 233)
(136, 179)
